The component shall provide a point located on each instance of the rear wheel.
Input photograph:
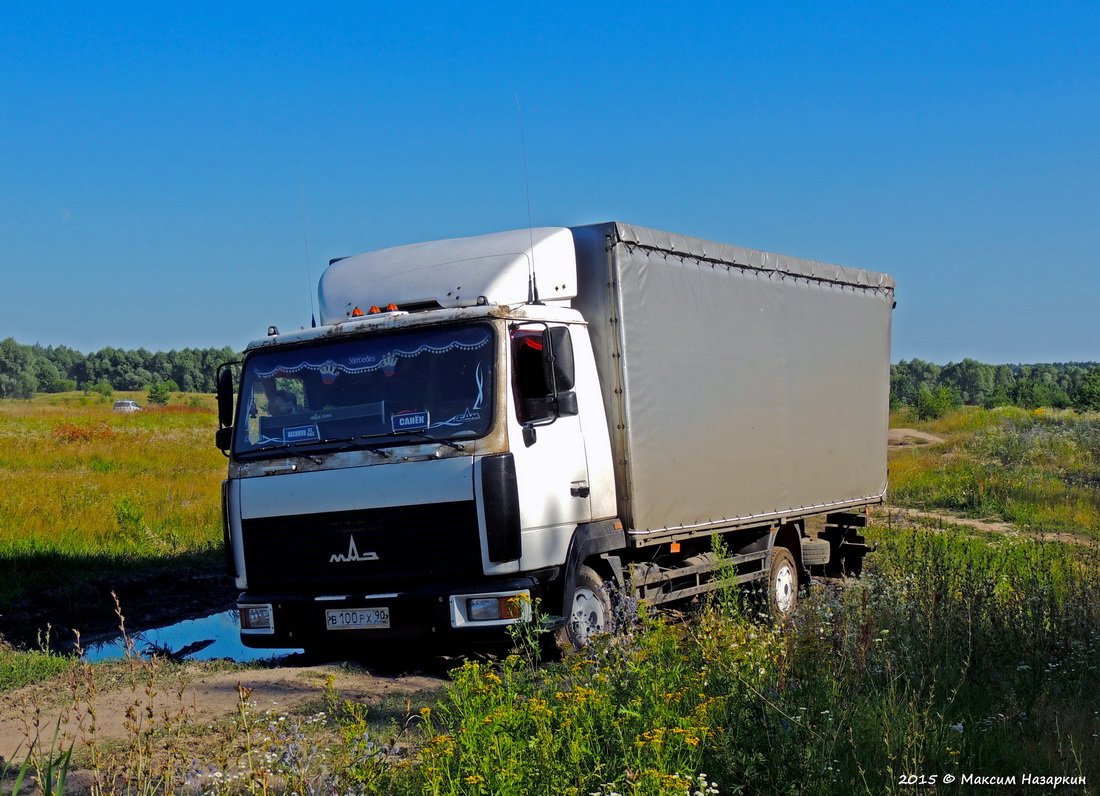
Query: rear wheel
(588, 610)
(783, 582)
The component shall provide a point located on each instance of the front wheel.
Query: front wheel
(588, 610)
(783, 582)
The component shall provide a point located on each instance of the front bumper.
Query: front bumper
(436, 613)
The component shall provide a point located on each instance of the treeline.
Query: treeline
(26, 370)
(930, 389)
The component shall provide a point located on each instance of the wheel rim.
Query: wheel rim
(784, 588)
(587, 619)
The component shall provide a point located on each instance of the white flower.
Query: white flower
(958, 728)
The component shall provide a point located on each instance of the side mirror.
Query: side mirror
(225, 394)
(557, 347)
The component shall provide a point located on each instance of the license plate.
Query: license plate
(356, 618)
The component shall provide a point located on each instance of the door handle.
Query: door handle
(579, 489)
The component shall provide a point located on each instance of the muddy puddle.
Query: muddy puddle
(203, 639)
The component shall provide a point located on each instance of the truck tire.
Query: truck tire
(782, 582)
(588, 610)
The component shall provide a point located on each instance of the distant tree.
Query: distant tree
(1038, 390)
(135, 379)
(17, 379)
(161, 366)
(46, 374)
(65, 359)
(25, 369)
(187, 370)
(907, 378)
(21, 385)
(1086, 398)
(1000, 396)
(972, 380)
(1004, 379)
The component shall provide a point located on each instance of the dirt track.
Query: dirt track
(903, 437)
(205, 696)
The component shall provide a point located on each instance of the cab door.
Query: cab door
(547, 442)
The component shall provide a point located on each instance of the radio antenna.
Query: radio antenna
(305, 242)
(532, 283)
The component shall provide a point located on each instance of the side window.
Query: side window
(529, 376)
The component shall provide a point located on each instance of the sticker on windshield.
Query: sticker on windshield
(301, 434)
(410, 421)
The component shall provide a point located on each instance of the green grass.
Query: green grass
(23, 667)
(953, 655)
(90, 498)
(1039, 470)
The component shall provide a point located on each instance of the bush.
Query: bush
(933, 404)
(61, 385)
(101, 387)
(160, 393)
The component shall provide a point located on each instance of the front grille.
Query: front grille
(367, 551)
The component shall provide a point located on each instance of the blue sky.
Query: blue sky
(155, 159)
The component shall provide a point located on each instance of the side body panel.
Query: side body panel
(740, 386)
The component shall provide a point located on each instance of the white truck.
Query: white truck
(545, 415)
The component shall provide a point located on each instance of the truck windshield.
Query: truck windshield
(434, 384)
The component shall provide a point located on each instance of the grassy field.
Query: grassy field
(960, 658)
(957, 659)
(954, 656)
(90, 499)
(1039, 470)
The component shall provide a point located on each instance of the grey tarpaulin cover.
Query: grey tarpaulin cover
(741, 386)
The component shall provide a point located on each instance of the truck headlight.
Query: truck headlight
(502, 608)
(483, 609)
(486, 609)
(257, 618)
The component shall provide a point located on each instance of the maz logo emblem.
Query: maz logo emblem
(352, 555)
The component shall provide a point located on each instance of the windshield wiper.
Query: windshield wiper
(369, 447)
(288, 449)
(351, 442)
(426, 438)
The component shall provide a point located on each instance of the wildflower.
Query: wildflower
(958, 728)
